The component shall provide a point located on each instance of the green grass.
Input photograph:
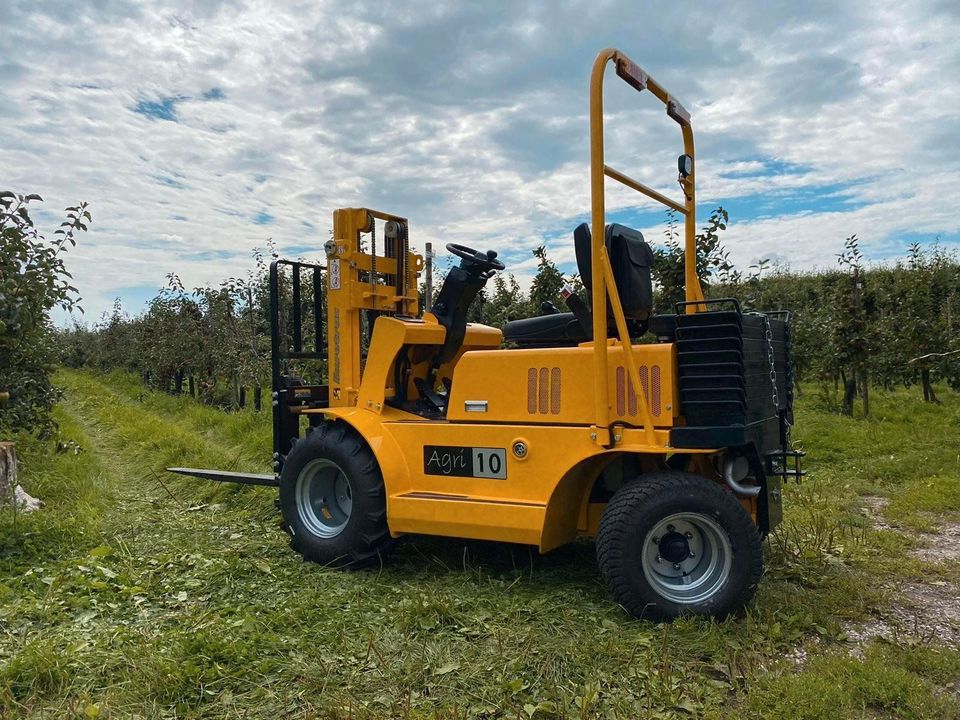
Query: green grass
(902, 682)
(134, 593)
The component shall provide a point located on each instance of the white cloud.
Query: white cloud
(470, 120)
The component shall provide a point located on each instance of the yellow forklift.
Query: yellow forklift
(670, 451)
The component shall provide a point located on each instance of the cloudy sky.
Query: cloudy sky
(198, 130)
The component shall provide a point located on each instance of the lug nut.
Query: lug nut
(676, 566)
(655, 541)
(659, 559)
(692, 554)
(688, 534)
(669, 528)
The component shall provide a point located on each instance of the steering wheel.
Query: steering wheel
(485, 262)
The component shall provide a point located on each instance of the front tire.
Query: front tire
(333, 498)
(673, 543)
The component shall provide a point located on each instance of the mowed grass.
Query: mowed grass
(137, 593)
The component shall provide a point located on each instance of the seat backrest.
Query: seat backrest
(459, 290)
(581, 246)
(630, 258)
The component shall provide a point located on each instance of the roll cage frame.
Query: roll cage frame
(603, 283)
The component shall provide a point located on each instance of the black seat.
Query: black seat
(546, 331)
(631, 259)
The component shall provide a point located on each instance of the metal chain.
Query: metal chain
(773, 369)
(768, 332)
(404, 243)
(373, 260)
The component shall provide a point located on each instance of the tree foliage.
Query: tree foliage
(848, 324)
(33, 281)
(713, 260)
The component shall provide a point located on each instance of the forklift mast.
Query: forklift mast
(358, 281)
(374, 280)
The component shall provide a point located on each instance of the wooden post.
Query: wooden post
(860, 366)
(865, 389)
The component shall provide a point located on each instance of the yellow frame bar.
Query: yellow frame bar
(601, 272)
(641, 188)
(631, 362)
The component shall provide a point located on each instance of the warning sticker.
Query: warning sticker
(334, 274)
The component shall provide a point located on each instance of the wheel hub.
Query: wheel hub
(324, 498)
(687, 557)
(674, 547)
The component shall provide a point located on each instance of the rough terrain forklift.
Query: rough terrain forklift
(670, 450)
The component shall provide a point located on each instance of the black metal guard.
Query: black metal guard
(289, 392)
(779, 462)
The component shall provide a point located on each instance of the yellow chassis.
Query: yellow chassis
(561, 415)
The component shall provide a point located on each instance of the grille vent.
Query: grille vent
(543, 391)
(627, 394)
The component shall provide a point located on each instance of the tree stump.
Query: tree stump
(8, 471)
(10, 492)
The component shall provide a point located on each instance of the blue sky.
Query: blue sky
(199, 129)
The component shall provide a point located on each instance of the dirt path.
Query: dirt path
(922, 611)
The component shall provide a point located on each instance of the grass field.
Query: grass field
(137, 594)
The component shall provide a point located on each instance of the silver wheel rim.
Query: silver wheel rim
(687, 558)
(324, 498)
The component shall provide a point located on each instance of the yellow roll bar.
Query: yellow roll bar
(601, 273)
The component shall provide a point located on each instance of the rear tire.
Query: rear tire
(333, 499)
(673, 543)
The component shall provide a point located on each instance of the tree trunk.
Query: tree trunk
(849, 392)
(10, 492)
(243, 396)
(257, 398)
(193, 387)
(928, 394)
(178, 382)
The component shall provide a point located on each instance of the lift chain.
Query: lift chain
(373, 260)
(402, 257)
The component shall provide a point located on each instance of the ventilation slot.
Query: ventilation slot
(627, 395)
(543, 391)
(532, 390)
(555, 391)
